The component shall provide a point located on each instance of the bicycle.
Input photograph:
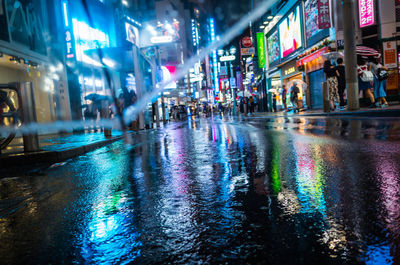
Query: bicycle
(8, 118)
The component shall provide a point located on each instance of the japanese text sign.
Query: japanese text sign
(324, 21)
(366, 12)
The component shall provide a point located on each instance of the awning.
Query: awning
(312, 56)
(117, 58)
(367, 52)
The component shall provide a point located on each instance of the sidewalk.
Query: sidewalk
(55, 148)
(391, 111)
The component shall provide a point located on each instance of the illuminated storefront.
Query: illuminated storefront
(85, 69)
(26, 56)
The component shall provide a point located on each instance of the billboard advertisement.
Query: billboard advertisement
(311, 18)
(290, 33)
(366, 10)
(273, 47)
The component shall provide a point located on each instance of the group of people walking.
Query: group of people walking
(372, 76)
(336, 79)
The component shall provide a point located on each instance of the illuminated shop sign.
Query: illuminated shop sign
(366, 10)
(324, 20)
(69, 42)
(88, 38)
(261, 49)
(161, 39)
(227, 58)
(195, 33)
(214, 57)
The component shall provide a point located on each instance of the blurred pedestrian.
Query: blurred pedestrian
(365, 79)
(341, 81)
(284, 93)
(274, 101)
(251, 104)
(331, 75)
(380, 81)
(294, 97)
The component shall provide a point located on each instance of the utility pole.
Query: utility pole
(350, 56)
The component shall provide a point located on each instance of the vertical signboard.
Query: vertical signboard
(261, 50)
(69, 42)
(324, 21)
(366, 9)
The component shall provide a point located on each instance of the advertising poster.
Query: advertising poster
(132, 34)
(311, 13)
(273, 47)
(290, 33)
(389, 54)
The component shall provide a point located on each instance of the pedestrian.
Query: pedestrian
(365, 79)
(251, 103)
(380, 81)
(274, 101)
(331, 75)
(341, 82)
(284, 93)
(294, 97)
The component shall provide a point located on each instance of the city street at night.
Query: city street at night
(200, 132)
(258, 190)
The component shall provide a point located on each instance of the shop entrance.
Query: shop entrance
(289, 82)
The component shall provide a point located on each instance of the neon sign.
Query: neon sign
(366, 12)
(88, 38)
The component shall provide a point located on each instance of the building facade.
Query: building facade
(31, 50)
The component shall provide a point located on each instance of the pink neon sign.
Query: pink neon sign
(366, 10)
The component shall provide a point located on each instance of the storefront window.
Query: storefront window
(28, 25)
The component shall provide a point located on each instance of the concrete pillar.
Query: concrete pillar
(350, 58)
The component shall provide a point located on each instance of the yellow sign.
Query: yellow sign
(290, 70)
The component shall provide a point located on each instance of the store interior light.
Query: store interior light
(108, 62)
(169, 28)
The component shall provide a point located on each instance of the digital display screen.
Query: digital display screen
(273, 47)
(290, 33)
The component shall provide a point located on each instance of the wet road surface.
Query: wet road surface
(215, 191)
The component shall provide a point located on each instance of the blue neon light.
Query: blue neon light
(65, 11)
(215, 59)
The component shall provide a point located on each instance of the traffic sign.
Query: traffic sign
(247, 42)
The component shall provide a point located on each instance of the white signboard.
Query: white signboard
(227, 58)
(161, 39)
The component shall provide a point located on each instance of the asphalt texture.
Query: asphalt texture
(263, 190)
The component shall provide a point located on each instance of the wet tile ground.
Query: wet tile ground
(212, 191)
